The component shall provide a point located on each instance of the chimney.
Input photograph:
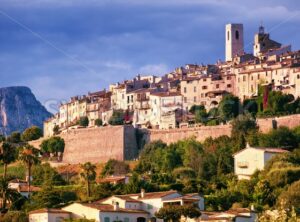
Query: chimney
(143, 193)
(116, 206)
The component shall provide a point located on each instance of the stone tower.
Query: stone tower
(263, 43)
(234, 41)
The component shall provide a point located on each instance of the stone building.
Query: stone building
(234, 41)
(271, 64)
(206, 90)
(166, 109)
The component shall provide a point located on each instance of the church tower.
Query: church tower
(234, 42)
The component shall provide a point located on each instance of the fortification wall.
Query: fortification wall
(266, 124)
(98, 144)
(200, 133)
(120, 142)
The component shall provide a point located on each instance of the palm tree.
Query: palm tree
(88, 174)
(7, 155)
(29, 156)
(7, 193)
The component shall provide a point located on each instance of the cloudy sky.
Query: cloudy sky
(61, 48)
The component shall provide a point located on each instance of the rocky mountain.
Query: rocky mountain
(19, 109)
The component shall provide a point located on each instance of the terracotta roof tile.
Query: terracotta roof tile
(49, 210)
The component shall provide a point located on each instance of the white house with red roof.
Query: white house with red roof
(250, 159)
(139, 207)
(237, 215)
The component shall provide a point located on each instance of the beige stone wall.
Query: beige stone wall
(200, 133)
(120, 142)
(98, 144)
(291, 121)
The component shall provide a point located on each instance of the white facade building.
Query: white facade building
(250, 159)
(127, 208)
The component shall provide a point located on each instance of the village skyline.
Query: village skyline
(117, 41)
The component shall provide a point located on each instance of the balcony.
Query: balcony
(243, 164)
(142, 105)
(171, 104)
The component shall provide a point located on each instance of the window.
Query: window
(217, 86)
(228, 85)
(298, 76)
(195, 89)
(237, 34)
(126, 219)
(195, 99)
(244, 78)
(106, 219)
(258, 76)
(184, 89)
(149, 206)
(204, 80)
(204, 87)
(185, 99)
(228, 35)
(228, 78)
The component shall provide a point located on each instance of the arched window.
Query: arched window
(228, 35)
(237, 34)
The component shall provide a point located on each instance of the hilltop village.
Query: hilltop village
(164, 102)
(212, 143)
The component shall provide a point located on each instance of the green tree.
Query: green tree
(117, 118)
(14, 216)
(15, 137)
(134, 185)
(189, 211)
(263, 194)
(83, 121)
(7, 193)
(282, 137)
(44, 174)
(115, 167)
(184, 173)
(243, 128)
(170, 213)
(8, 154)
(88, 173)
(53, 145)
(29, 156)
(229, 107)
(150, 157)
(32, 133)
(291, 197)
(56, 130)
(98, 122)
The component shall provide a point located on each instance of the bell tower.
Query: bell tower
(234, 35)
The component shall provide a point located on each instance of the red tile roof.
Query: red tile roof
(111, 179)
(49, 210)
(24, 188)
(153, 195)
(110, 208)
(266, 149)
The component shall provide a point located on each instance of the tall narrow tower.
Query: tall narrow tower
(234, 40)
